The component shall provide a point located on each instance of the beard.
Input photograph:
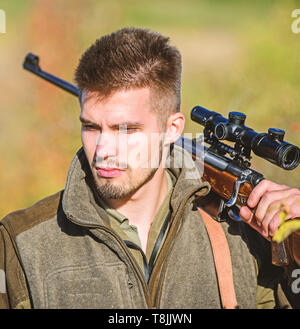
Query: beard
(111, 190)
(107, 188)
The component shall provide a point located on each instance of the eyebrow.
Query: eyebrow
(114, 126)
(83, 120)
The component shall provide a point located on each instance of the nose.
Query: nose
(106, 146)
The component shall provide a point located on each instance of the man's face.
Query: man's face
(122, 140)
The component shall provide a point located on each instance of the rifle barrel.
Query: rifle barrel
(31, 64)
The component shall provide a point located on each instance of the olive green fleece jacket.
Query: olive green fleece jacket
(62, 253)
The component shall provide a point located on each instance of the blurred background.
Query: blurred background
(237, 55)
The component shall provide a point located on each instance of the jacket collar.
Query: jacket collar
(79, 196)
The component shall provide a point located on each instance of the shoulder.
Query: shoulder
(19, 221)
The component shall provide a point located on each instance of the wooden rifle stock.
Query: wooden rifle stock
(222, 189)
(222, 184)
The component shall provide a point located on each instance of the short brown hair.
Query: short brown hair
(133, 58)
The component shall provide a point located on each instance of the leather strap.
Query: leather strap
(222, 260)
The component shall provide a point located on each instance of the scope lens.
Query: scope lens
(221, 131)
(290, 158)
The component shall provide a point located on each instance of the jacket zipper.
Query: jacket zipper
(124, 247)
(163, 269)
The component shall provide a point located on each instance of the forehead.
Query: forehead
(133, 103)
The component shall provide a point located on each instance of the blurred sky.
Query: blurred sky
(237, 56)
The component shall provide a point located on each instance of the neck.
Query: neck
(141, 207)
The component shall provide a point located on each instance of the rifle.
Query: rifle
(226, 168)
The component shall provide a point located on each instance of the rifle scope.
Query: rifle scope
(269, 146)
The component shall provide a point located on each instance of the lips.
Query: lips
(109, 172)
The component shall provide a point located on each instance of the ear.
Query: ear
(174, 128)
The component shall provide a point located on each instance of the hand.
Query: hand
(267, 201)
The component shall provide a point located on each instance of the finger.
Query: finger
(246, 214)
(293, 207)
(280, 197)
(260, 189)
(276, 222)
(273, 209)
(287, 207)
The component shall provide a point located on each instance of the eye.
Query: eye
(88, 127)
(127, 129)
(131, 129)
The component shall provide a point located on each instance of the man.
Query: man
(125, 232)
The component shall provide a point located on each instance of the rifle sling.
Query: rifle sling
(222, 260)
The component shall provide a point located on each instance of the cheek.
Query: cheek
(138, 150)
(134, 140)
(144, 150)
(89, 141)
(89, 138)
